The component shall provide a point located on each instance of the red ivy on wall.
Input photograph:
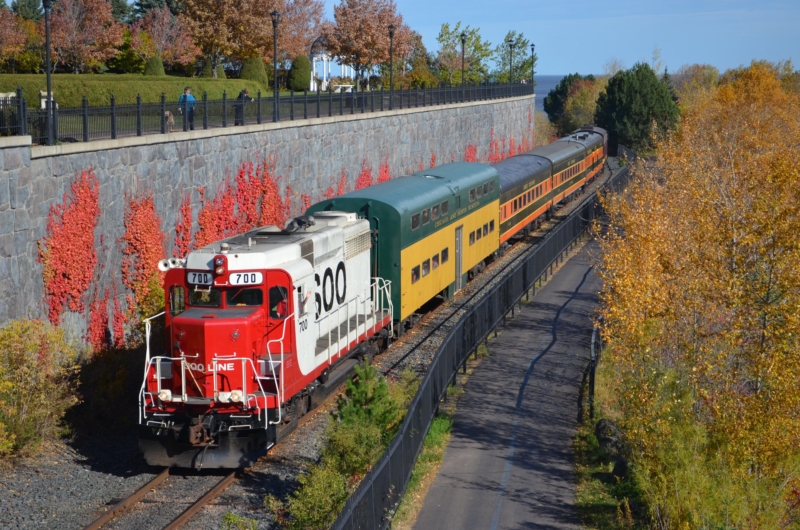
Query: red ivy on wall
(97, 328)
(67, 252)
(364, 179)
(433, 159)
(183, 229)
(143, 247)
(470, 153)
(384, 175)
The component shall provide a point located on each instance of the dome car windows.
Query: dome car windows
(278, 303)
(251, 296)
(205, 298)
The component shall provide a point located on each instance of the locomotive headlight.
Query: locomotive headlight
(236, 396)
(165, 395)
(219, 265)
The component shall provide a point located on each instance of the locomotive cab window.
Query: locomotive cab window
(278, 303)
(426, 216)
(205, 297)
(414, 221)
(244, 297)
(177, 300)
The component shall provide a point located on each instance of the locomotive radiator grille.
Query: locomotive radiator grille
(356, 245)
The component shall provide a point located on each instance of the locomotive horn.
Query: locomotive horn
(164, 265)
(174, 262)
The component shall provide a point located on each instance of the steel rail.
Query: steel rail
(210, 495)
(127, 502)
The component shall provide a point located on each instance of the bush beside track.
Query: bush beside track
(69, 89)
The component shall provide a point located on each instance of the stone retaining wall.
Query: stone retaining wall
(310, 155)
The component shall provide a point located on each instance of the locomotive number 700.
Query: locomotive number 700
(246, 278)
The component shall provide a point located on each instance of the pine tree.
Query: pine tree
(121, 11)
(366, 400)
(636, 108)
(556, 100)
(28, 9)
(141, 7)
(667, 80)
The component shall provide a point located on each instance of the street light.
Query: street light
(533, 46)
(510, 58)
(463, 43)
(276, 112)
(48, 4)
(391, 66)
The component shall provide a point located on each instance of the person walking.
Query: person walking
(241, 100)
(186, 103)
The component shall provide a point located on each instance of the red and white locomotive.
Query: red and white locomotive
(256, 327)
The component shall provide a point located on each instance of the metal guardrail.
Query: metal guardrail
(120, 120)
(375, 500)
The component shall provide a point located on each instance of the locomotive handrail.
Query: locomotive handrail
(245, 396)
(147, 326)
(272, 367)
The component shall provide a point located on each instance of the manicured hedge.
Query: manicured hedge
(70, 88)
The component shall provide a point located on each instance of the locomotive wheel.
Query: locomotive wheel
(303, 406)
(323, 377)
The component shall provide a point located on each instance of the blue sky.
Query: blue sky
(582, 35)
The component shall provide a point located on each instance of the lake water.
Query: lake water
(544, 84)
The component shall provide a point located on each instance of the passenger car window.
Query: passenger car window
(478, 192)
(491, 187)
(426, 267)
(414, 221)
(486, 229)
(445, 255)
(472, 238)
(177, 300)
(244, 297)
(477, 234)
(444, 208)
(486, 189)
(426, 216)
(278, 302)
(491, 226)
(435, 261)
(471, 195)
(435, 212)
(415, 274)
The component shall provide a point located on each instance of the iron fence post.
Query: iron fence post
(163, 113)
(185, 114)
(258, 109)
(138, 114)
(24, 117)
(22, 120)
(113, 117)
(224, 108)
(305, 103)
(330, 101)
(381, 98)
(205, 110)
(401, 97)
(372, 100)
(291, 104)
(54, 108)
(85, 116)
(319, 98)
(362, 99)
(341, 103)
(424, 94)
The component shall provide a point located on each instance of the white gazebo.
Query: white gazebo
(319, 53)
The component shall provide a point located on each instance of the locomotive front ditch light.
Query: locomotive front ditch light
(236, 396)
(165, 395)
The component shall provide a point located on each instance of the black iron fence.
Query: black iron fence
(375, 500)
(120, 120)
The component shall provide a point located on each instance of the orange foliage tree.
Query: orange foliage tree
(84, 33)
(161, 33)
(12, 37)
(700, 301)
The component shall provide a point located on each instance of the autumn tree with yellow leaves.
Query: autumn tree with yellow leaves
(701, 307)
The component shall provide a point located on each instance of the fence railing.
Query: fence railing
(375, 500)
(120, 120)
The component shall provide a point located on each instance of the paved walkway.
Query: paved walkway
(509, 462)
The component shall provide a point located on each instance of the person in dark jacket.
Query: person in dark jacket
(188, 102)
(241, 100)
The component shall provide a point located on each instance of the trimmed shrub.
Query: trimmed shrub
(253, 69)
(37, 384)
(70, 88)
(154, 66)
(300, 74)
(206, 71)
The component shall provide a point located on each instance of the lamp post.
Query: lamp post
(48, 4)
(510, 58)
(391, 66)
(533, 46)
(463, 44)
(276, 112)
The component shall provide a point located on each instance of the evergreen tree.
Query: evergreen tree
(556, 100)
(667, 80)
(367, 401)
(154, 66)
(141, 7)
(121, 11)
(635, 108)
(28, 9)
(300, 73)
(253, 70)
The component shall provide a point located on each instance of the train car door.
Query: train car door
(459, 239)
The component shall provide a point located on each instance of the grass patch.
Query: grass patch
(231, 521)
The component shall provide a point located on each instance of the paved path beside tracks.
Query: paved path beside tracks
(509, 463)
